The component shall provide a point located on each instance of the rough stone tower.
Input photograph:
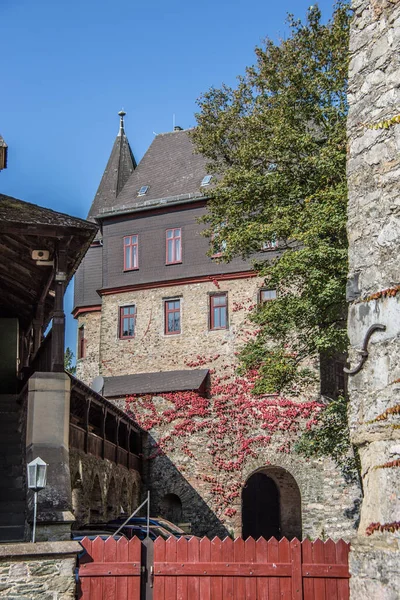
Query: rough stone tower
(373, 290)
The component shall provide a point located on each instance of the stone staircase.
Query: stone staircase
(12, 484)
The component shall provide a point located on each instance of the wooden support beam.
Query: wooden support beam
(58, 339)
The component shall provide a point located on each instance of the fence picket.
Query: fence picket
(159, 556)
(318, 558)
(330, 559)
(110, 556)
(205, 556)
(240, 582)
(216, 582)
(250, 555)
(134, 556)
(262, 557)
(83, 590)
(121, 587)
(170, 556)
(96, 583)
(308, 582)
(193, 584)
(297, 580)
(273, 557)
(342, 558)
(181, 557)
(285, 582)
(227, 556)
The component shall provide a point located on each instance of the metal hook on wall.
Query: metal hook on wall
(364, 351)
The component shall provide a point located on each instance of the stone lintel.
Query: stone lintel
(26, 550)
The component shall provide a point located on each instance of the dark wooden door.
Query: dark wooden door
(261, 508)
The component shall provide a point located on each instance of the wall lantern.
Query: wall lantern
(37, 476)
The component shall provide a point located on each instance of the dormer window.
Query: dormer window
(206, 180)
(143, 190)
(269, 245)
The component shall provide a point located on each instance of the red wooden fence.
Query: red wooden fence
(216, 570)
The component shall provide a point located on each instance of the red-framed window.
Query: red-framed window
(127, 322)
(81, 342)
(172, 317)
(173, 246)
(266, 295)
(131, 252)
(219, 311)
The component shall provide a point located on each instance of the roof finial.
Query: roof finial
(121, 113)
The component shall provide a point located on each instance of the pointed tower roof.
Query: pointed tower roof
(119, 167)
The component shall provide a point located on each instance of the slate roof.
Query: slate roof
(170, 168)
(119, 167)
(155, 383)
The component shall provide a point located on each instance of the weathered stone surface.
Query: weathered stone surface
(88, 368)
(329, 506)
(151, 350)
(100, 488)
(374, 233)
(374, 567)
(38, 571)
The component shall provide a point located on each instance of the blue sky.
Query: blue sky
(67, 68)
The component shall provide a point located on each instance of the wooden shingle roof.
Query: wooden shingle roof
(25, 227)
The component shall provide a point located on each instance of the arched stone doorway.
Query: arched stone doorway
(271, 505)
(171, 508)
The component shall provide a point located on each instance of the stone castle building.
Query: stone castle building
(160, 322)
(373, 290)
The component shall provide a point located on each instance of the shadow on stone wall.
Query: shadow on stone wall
(163, 478)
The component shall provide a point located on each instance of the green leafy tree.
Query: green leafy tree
(69, 361)
(276, 145)
(329, 436)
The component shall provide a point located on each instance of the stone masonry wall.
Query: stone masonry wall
(151, 350)
(374, 236)
(87, 368)
(41, 571)
(187, 468)
(101, 489)
(211, 494)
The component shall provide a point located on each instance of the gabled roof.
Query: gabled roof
(170, 168)
(119, 167)
(156, 383)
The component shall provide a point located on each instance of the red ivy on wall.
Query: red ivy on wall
(233, 424)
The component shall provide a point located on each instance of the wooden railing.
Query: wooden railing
(110, 450)
(79, 439)
(76, 437)
(95, 444)
(42, 361)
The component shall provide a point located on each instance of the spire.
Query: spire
(122, 114)
(119, 167)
